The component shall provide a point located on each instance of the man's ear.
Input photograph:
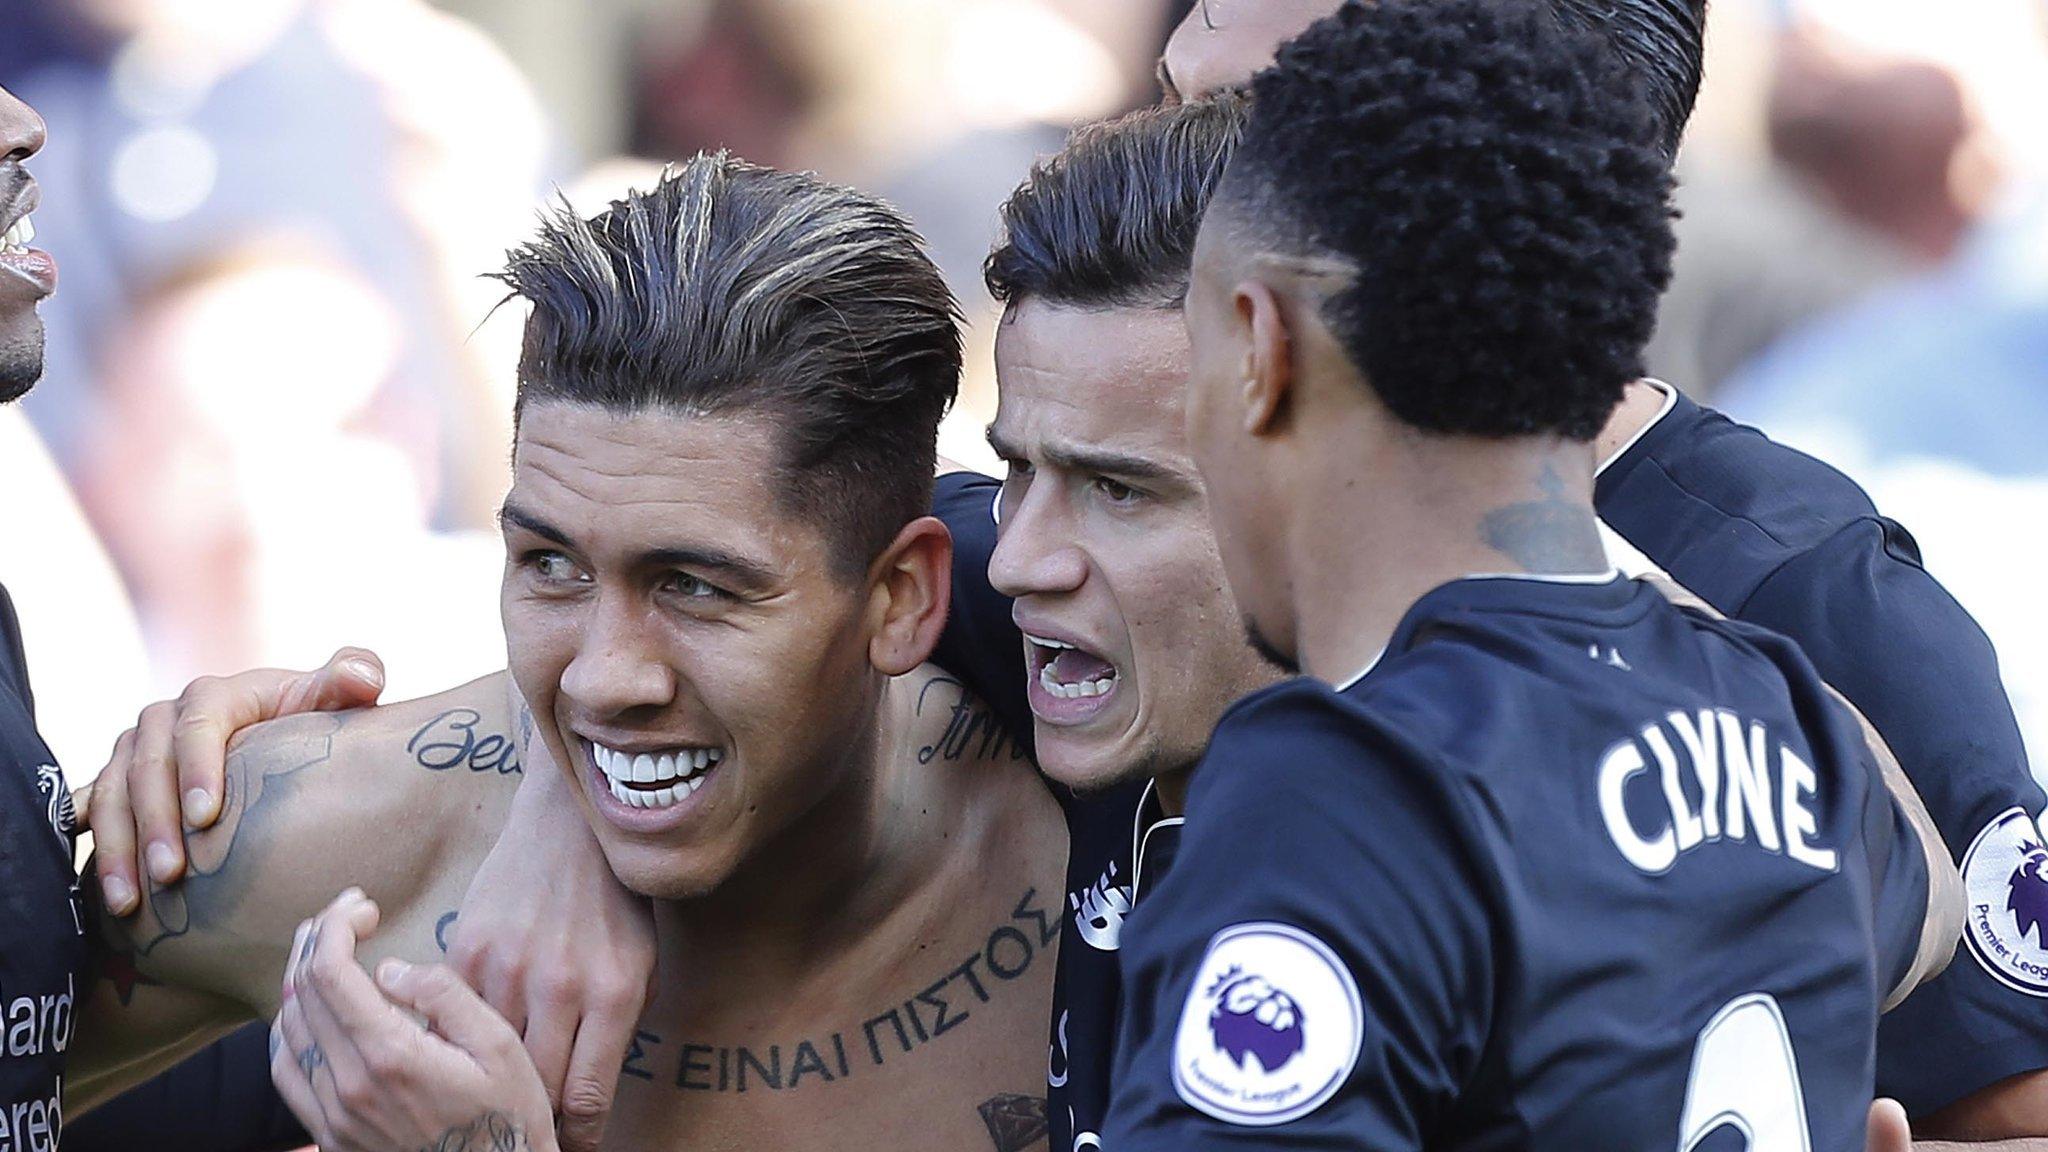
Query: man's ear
(1267, 383)
(910, 588)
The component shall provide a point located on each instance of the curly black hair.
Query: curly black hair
(1487, 172)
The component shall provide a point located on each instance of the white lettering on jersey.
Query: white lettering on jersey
(1729, 763)
(1099, 911)
(33, 1125)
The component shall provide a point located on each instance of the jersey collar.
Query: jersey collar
(1670, 402)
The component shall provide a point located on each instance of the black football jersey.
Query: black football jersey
(42, 945)
(1774, 537)
(1570, 869)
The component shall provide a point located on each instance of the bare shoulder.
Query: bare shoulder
(401, 800)
(991, 793)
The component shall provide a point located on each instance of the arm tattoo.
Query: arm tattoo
(1548, 535)
(212, 889)
(451, 740)
(1015, 1123)
(490, 1132)
(117, 967)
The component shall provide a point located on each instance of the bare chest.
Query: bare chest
(944, 1049)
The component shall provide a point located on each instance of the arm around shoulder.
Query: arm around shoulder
(401, 801)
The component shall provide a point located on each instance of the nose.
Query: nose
(21, 130)
(619, 666)
(1035, 550)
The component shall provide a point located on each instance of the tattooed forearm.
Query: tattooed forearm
(258, 771)
(972, 731)
(452, 740)
(882, 1040)
(1015, 1123)
(491, 1132)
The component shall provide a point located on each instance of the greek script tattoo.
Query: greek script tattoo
(1553, 534)
(451, 740)
(880, 1041)
(312, 1060)
(1015, 1123)
(972, 731)
(491, 1132)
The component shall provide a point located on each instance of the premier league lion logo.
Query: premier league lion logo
(2027, 895)
(2005, 878)
(1253, 1018)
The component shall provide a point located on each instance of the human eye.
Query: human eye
(1115, 492)
(549, 567)
(696, 589)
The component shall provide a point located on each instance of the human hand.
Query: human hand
(364, 1076)
(168, 773)
(561, 949)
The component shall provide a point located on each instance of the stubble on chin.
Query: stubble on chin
(21, 365)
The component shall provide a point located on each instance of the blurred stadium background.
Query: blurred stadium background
(277, 405)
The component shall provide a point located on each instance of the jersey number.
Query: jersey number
(1744, 1076)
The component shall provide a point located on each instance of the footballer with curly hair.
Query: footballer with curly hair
(1776, 538)
(1556, 864)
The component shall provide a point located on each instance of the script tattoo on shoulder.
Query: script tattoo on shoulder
(972, 731)
(457, 739)
(264, 769)
(1015, 1123)
(884, 1040)
(491, 1132)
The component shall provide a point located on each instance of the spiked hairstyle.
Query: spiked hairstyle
(733, 288)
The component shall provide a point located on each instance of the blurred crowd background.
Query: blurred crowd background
(278, 397)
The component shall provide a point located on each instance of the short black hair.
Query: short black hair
(1663, 42)
(731, 288)
(1483, 171)
(1111, 221)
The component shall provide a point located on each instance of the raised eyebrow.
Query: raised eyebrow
(513, 516)
(1075, 459)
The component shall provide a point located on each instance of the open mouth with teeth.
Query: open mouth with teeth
(18, 237)
(655, 779)
(1067, 672)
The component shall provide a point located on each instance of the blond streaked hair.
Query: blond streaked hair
(728, 288)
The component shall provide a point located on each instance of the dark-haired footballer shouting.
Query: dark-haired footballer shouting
(1533, 858)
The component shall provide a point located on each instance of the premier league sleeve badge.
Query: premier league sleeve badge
(2007, 924)
(1271, 1028)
